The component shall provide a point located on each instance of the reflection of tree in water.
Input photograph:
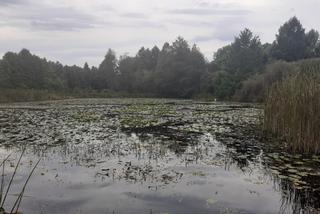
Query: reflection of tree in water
(146, 157)
(137, 158)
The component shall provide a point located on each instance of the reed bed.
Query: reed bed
(292, 108)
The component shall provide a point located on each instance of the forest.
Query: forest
(240, 71)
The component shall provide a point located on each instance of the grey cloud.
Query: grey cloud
(228, 28)
(225, 29)
(204, 4)
(46, 12)
(190, 23)
(136, 24)
(210, 11)
(203, 38)
(134, 15)
(226, 35)
(59, 25)
(11, 2)
(43, 17)
(40, 16)
(146, 24)
(61, 19)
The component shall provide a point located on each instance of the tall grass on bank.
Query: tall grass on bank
(292, 109)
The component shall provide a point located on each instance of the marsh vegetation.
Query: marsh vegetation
(153, 156)
(292, 108)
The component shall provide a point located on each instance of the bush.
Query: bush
(255, 88)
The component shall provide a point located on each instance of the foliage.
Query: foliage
(243, 57)
(107, 71)
(179, 70)
(254, 89)
(292, 43)
(24, 70)
(238, 61)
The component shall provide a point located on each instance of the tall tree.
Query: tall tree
(179, 69)
(127, 69)
(107, 71)
(243, 57)
(292, 43)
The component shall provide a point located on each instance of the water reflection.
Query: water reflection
(100, 168)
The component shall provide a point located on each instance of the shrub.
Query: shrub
(255, 88)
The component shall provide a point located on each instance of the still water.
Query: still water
(144, 156)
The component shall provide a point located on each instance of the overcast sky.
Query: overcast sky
(76, 31)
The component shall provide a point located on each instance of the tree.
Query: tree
(127, 69)
(107, 71)
(86, 67)
(312, 40)
(24, 70)
(223, 86)
(236, 62)
(292, 43)
(243, 57)
(179, 69)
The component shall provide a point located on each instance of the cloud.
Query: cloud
(11, 2)
(134, 15)
(203, 38)
(227, 35)
(210, 12)
(59, 19)
(59, 25)
(38, 16)
(75, 31)
(224, 36)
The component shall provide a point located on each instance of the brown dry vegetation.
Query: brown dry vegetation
(292, 108)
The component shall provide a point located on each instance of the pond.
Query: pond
(151, 156)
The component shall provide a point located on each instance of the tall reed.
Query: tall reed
(15, 208)
(292, 108)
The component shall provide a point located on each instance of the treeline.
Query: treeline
(239, 71)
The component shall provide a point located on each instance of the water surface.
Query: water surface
(146, 156)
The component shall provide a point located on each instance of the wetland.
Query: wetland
(152, 156)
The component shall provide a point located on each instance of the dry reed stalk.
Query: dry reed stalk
(292, 109)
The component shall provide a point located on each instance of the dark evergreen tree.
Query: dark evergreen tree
(292, 43)
(107, 71)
